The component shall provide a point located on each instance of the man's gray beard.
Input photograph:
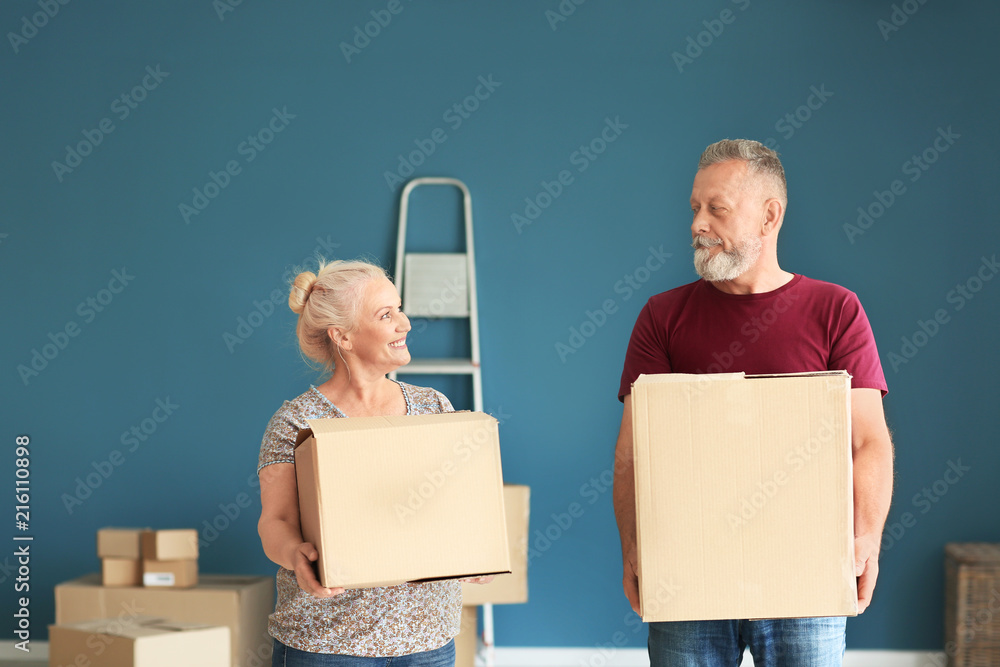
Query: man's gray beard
(727, 265)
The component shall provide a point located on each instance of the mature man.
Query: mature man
(738, 201)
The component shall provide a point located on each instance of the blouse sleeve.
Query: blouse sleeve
(278, 445)
(446, 405)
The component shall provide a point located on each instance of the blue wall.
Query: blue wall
(213, 78)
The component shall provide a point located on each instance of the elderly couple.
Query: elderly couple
(351, 324)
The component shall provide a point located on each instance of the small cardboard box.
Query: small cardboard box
(120, 542)
(744, 496)
(121, 572)
(178, 544)
(387, 500)
(508, 588)
(240, 603)
(144, 642)
(170, 573)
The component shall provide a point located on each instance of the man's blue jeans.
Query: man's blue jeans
(783, 642)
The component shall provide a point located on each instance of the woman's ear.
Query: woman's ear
(340, 338)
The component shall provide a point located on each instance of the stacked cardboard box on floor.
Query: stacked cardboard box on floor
(508, 588)
(240, 603)
(141, 642)
(505, 588)
(170, 558)
(120, 552)
(144, 557)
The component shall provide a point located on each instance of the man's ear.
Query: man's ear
(774, 213)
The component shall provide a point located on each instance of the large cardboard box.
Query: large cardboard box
(388, 500)
(508, 588)
(143, 642)
(240, 603)
(467, 640)
(744, 496)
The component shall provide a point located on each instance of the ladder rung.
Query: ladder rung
(439, 367)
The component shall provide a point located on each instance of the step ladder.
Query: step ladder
(443, 285)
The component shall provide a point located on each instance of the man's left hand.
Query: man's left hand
(866, 549)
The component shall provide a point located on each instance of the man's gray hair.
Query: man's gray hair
(759, 159)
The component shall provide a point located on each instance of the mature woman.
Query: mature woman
(350, 322)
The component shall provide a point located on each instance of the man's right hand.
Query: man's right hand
(305, 574)
(630, 578)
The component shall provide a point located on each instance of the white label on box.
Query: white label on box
(158, 579)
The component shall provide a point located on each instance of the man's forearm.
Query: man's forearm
(872, 486)
(624, 483)
(624, 500)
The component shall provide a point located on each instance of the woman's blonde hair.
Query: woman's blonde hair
(329, 298)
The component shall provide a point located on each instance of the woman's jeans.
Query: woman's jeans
(285, 656)
(783, 642)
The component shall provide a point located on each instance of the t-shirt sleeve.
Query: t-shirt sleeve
(853, 348)
(647, 351)
(278, 445)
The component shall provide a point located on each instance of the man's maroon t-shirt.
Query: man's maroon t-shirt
(804, 325)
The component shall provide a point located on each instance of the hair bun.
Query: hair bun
(301, 289)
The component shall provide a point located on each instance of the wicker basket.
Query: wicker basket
(972, 605)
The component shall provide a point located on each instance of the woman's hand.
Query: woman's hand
(305, 555)
(478, 580)
(279, 529)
